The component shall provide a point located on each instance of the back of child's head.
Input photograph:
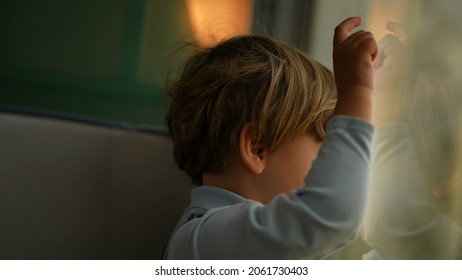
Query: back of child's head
(245, 80)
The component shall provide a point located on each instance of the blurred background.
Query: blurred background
(109, 58)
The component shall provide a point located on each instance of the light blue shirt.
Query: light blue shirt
(310, 223)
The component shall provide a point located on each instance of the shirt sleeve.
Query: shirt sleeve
(309, 223)
(403, 221)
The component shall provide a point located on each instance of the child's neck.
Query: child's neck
(242, 184)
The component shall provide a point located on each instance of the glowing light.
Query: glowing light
(215, 20)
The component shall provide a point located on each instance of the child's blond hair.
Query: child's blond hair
(245, 80)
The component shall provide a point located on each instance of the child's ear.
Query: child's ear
(253, 154)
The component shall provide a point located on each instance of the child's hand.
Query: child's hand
(354, 70)
(354, 55)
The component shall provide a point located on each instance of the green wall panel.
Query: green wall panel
(101, 58)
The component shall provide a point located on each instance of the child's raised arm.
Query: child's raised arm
(353, 57)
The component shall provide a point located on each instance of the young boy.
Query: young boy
(249, 123)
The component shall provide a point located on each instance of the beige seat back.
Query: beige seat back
(75, 190)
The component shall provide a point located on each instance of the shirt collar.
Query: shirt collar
(209, 197)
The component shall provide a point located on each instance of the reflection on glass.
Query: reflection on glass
(416, 184)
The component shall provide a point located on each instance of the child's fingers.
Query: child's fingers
(342, 31)
(370, 45)
(355, 39)
(364, 40)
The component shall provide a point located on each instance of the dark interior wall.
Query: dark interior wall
(289, 21)
(101, 58)
(109, 58)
